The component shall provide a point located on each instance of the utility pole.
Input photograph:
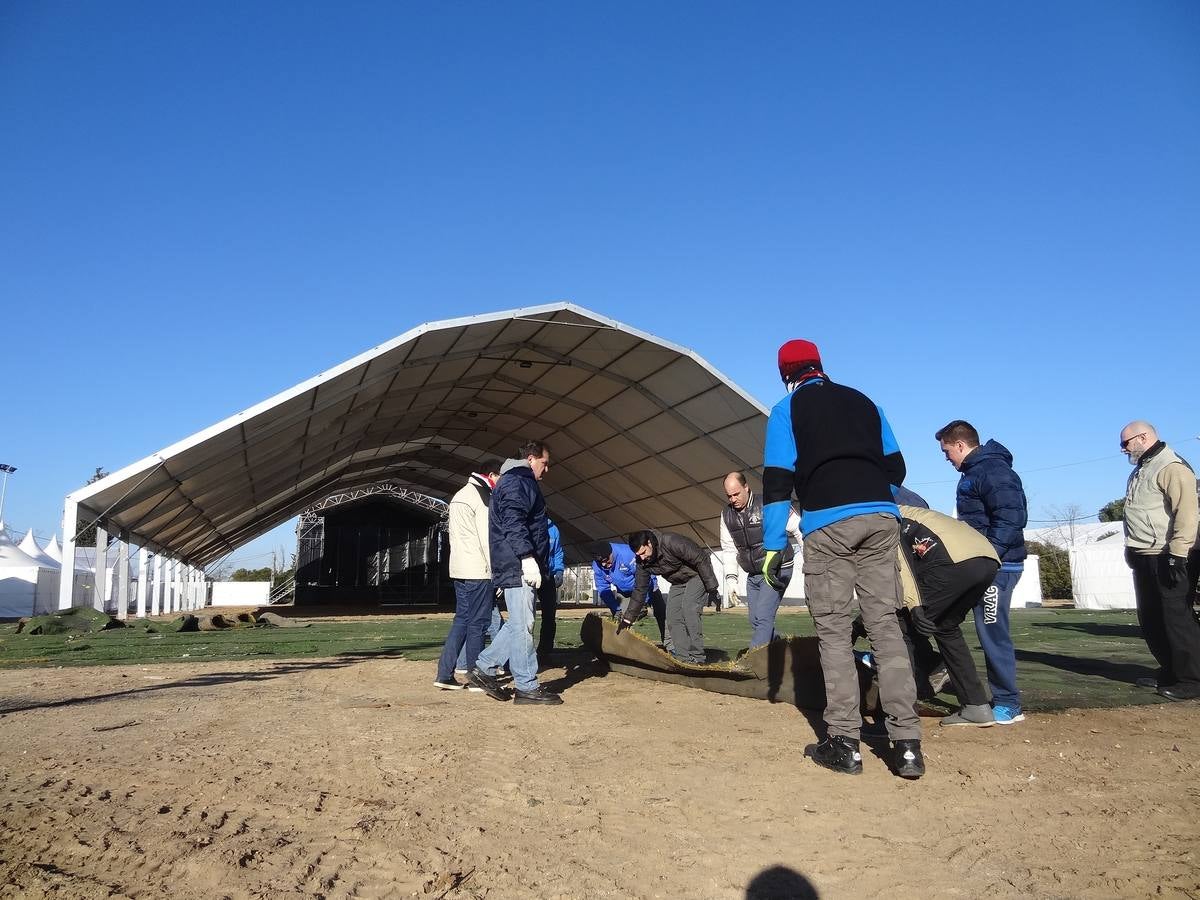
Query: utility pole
(7, 470)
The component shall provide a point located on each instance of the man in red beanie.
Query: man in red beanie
(833, 447)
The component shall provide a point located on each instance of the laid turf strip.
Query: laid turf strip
(1065, 658)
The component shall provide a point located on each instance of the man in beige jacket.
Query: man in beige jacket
(1160, 528)
(471, 571)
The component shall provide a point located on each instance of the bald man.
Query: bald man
(742, 547)
(1160, 528)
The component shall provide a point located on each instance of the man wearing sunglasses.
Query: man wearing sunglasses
(1160, 529)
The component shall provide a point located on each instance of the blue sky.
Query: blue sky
(980, 211)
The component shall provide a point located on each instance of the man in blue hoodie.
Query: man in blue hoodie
(614, 569)
(519, 544)
(991, 500)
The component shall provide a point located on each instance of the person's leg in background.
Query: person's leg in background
(548, 600)
(659, 605)
(465, 640)
(763, 602)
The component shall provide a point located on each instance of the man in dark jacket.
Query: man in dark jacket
(742, 546)
(520, 557)
(833, 448)
(991, 500)
(686, 566)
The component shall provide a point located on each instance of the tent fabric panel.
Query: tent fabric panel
(661, 478)
(679, 380)
(700, 459)
(630, 408)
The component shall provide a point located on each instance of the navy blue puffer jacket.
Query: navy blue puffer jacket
(517, 526)
(991, 500)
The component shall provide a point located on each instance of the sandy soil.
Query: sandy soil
(358, 779)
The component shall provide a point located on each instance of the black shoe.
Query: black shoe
(487, 683)
(909, 761)
(538, 695)
(1179, 692)
(837, 753)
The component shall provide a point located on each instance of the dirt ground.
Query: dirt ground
(355, 778)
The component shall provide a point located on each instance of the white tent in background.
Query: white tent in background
(1099, 577)
(30, 547)
(53, 550)
(27, 586)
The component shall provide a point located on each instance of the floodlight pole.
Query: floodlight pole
(7, 470)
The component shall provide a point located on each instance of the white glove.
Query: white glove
(731, 590)
(530, 573)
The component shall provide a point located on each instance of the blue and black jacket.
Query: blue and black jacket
(517, 526)
(834, 448)
(991, 499)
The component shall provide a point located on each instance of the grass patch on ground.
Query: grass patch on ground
(1065, 658)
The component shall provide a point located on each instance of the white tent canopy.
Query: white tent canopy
(30, 546)
(53, 550)
(27, 586)
(641, 432)
(13, 557)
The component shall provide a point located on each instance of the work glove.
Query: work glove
(530, 573)
(558, 579)
(622, 624)
(714, 597)
(1175, 570)
(731, 594)
(772, 570)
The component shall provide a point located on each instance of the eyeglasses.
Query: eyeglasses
(1132, 437)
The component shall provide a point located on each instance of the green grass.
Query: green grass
(1065, 658)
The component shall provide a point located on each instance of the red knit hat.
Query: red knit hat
(797, 355)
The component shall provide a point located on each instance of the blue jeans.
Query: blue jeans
(473, 599)
(763, 601)
(514, 643)
(991, 624)
(492, 629)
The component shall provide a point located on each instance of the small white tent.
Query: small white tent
(27, 586)
(1099, 577)
(53, 550)
(30, 547)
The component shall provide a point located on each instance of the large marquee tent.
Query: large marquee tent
(641, 432)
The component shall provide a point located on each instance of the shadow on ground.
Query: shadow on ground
(281, 670)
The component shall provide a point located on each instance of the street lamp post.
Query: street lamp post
(7, 470)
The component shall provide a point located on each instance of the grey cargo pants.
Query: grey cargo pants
(684, 603)
(859, 553)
